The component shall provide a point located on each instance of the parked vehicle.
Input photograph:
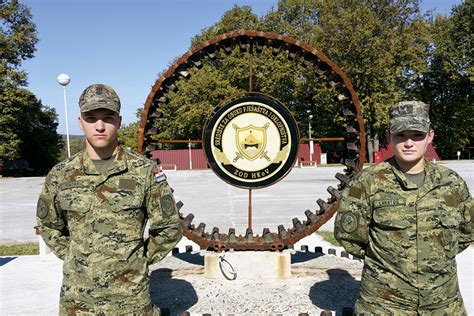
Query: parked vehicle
(16, 168)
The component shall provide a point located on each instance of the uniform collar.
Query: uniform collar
(432, 176)
(119, 164)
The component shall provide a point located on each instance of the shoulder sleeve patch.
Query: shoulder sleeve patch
(355, 192)
(168, 205)
(42, 208)
(159, 175)
(349, 222)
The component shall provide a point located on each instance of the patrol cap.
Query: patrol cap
(99, 96)
(409, 115)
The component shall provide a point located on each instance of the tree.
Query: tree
(385, 48)
(18, 40)
(447, 84)
(128, 134)
(380, 45)
(228, 75)
(76, 144)
(27, 128)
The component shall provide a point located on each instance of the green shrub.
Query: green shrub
(27, 248)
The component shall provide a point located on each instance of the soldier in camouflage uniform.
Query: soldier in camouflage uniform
(92, 213)
(407, 218)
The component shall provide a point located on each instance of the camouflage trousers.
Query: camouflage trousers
(377, 307)
(149, 310)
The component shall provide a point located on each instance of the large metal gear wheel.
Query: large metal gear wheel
(344, 97)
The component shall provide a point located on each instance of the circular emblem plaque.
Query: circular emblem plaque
(251, 142)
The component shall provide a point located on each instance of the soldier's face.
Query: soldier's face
(100, 128)
(409, 147)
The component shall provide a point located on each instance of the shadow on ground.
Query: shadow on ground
(337, 293)
(299, 257)
(194, 258)
(5, 260)
(173, 295)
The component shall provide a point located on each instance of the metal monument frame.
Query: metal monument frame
(252, 42)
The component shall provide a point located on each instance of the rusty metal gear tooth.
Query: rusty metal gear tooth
(343, 178)
(151, 131)
(150, 147)
(161, 99)
(231, 236)
(351, 130)
(186, 222)
(282, 232)
(211, 52)
(267, 235)
(249, 235)
(324, 206)
(215, 233)
(344, 111)
(334, 192)
(171, 87)
(156, 114)
(259, 44)
(197, 63)
(350, 162)
(200, 229)
(243, 45)
(297, 226)
(334, 84)
(312, 218)
(185, 74)
(352, 146)
(307, 59)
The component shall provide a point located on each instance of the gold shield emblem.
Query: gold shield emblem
(251, 141)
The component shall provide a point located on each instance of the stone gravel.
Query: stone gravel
(319, 282)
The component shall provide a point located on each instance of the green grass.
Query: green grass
(27, 248)
(329, 237)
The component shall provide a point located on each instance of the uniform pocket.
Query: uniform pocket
(391, 217)
(75, 205)
(450, 220)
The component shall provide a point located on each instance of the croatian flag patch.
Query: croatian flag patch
(160, 175)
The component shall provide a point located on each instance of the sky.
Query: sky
(122, 43)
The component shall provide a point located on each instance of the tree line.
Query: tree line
(390, 50)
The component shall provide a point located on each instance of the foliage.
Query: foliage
(446, 86)
(28, 130)
(380, 45)
(18, 39)
(76, 144)
(329, 237)
(128, 134)
(388, 49)
(227, 76)
(237, 18)
(20, 249)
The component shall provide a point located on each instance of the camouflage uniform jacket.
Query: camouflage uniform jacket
(408, 237)
(96, 222)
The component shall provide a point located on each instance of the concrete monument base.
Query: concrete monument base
(234, 265)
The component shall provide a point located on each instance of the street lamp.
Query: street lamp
(64, 80)
(311, 151)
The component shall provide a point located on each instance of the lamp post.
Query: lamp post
(64, 80)
(190, 157)
(309, 133)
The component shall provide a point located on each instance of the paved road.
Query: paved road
(210, 199)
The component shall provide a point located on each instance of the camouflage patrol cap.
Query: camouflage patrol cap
(99, 96)
(409, 115)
